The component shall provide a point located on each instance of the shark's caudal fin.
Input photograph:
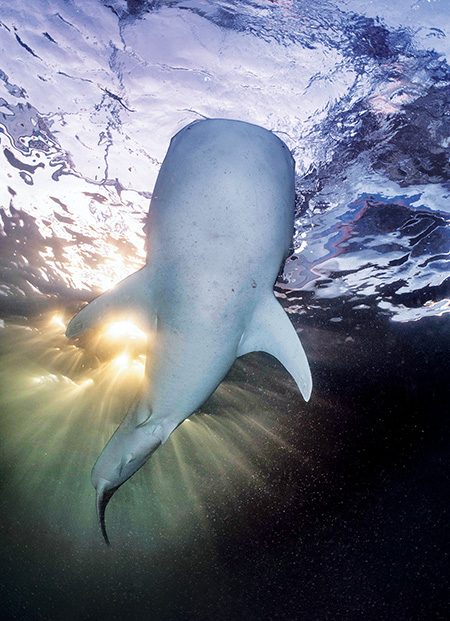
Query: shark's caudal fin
(133, 294)
(270, 330)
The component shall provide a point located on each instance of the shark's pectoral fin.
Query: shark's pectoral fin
(132, 295)
(270, 330)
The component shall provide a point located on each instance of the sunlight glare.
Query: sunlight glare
(122, 361)
(58, 321)
(124, 330)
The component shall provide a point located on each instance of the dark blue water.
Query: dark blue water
(259, 506)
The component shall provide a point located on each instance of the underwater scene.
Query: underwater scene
(260, 505)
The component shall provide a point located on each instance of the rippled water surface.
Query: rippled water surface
(259, 506)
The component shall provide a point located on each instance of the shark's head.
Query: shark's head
(126, 452)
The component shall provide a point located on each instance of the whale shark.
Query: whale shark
(221, 222)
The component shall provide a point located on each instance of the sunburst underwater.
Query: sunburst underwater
(62, 401)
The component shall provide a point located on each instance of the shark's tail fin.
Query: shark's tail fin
(131, 295)
(104, 494)
(270, 330)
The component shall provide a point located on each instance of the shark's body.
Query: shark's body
(221, 224)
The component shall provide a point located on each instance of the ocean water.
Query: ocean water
(259, 506)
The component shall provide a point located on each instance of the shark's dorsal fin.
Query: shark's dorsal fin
(270, 330)
(128, 298)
